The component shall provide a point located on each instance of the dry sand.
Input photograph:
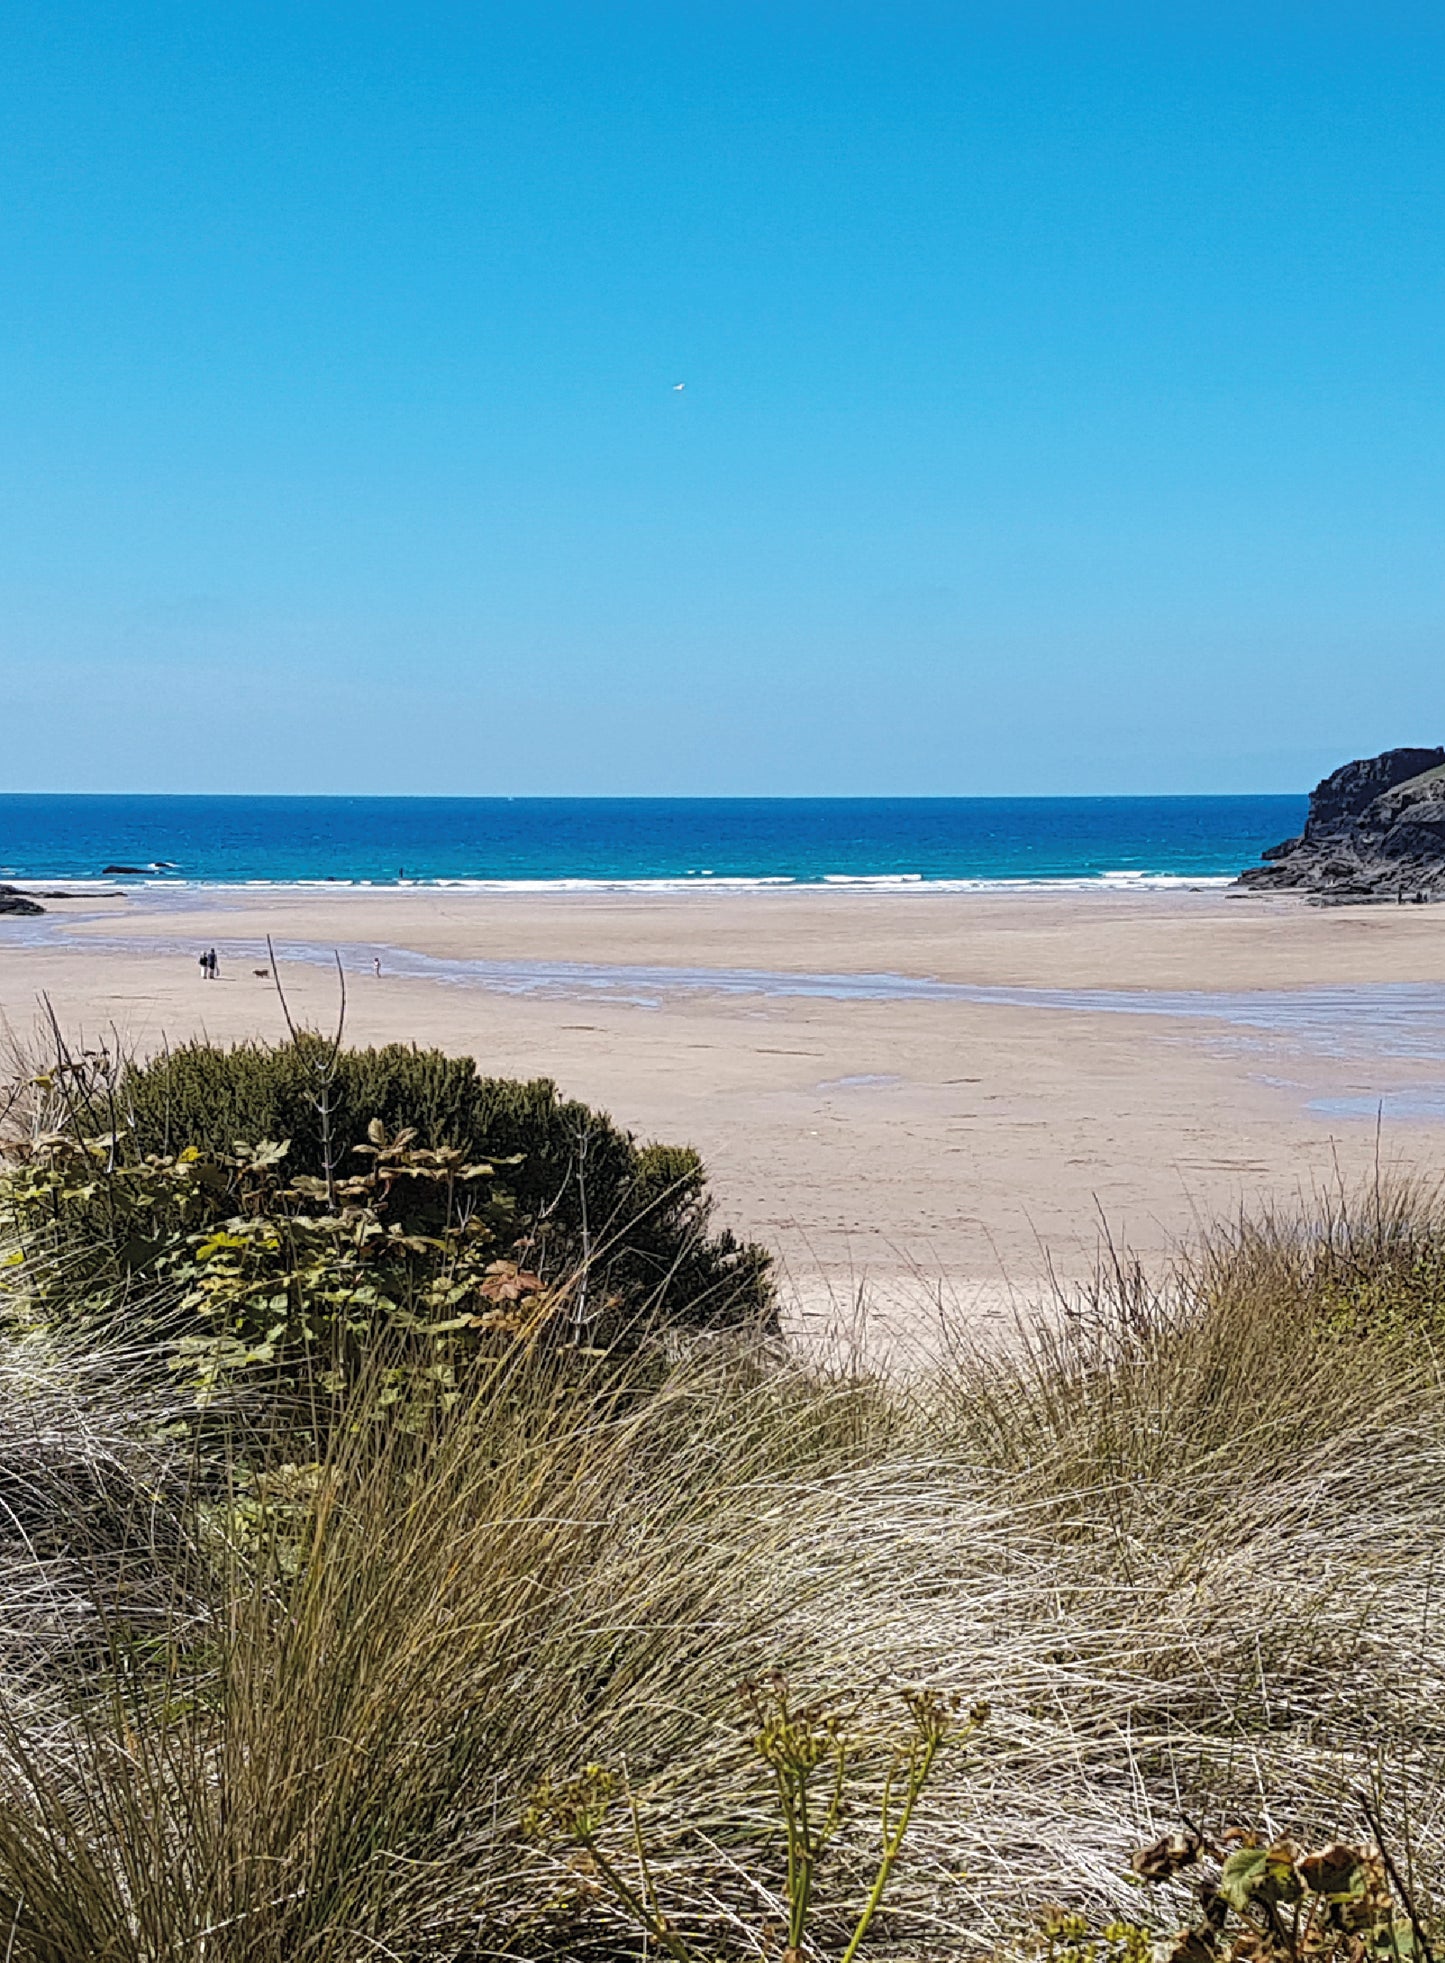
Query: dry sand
(919, 1145)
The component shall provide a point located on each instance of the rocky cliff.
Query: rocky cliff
(1375, 831)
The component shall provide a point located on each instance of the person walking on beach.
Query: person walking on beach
(215, 965)
(205, 966)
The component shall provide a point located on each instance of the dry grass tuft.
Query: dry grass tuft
(1184, 1543)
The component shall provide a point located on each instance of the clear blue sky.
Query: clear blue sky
(1064, 406)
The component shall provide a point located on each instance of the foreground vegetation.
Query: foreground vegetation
(415, 1680)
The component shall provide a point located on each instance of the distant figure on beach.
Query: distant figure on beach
(215, 965)
(376, 963)
(205, 966)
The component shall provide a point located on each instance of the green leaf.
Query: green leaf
(1260, 1874)
(1242, 1872)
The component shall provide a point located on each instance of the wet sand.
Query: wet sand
(1148, 1060)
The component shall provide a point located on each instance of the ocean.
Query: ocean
(558, 842)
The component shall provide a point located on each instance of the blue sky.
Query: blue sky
(1064, 396)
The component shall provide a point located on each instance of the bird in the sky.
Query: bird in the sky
(678, 387)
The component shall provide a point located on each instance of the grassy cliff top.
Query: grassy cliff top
(1434, 776)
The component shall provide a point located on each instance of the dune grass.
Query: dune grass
(1185, 1541)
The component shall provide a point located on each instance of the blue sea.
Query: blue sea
(638, 841)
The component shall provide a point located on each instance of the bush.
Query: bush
(304, 1195)
(585, 1193)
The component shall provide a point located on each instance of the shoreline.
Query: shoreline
(1124, 880)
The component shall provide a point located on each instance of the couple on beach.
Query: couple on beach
(210, 966)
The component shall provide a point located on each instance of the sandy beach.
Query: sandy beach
(920, 1090)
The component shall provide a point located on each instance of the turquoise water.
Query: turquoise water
(550, 841)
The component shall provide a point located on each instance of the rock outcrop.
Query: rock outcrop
(1375, 831)
(12, 901)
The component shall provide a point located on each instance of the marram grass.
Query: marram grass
(1186, 1546)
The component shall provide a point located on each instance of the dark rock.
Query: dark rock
(1376, 830)
(12, 901)
(1349, 791)
(1429, 812)
(139, 871)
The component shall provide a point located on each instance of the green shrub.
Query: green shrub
(299, 1198)
(585, 1193)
